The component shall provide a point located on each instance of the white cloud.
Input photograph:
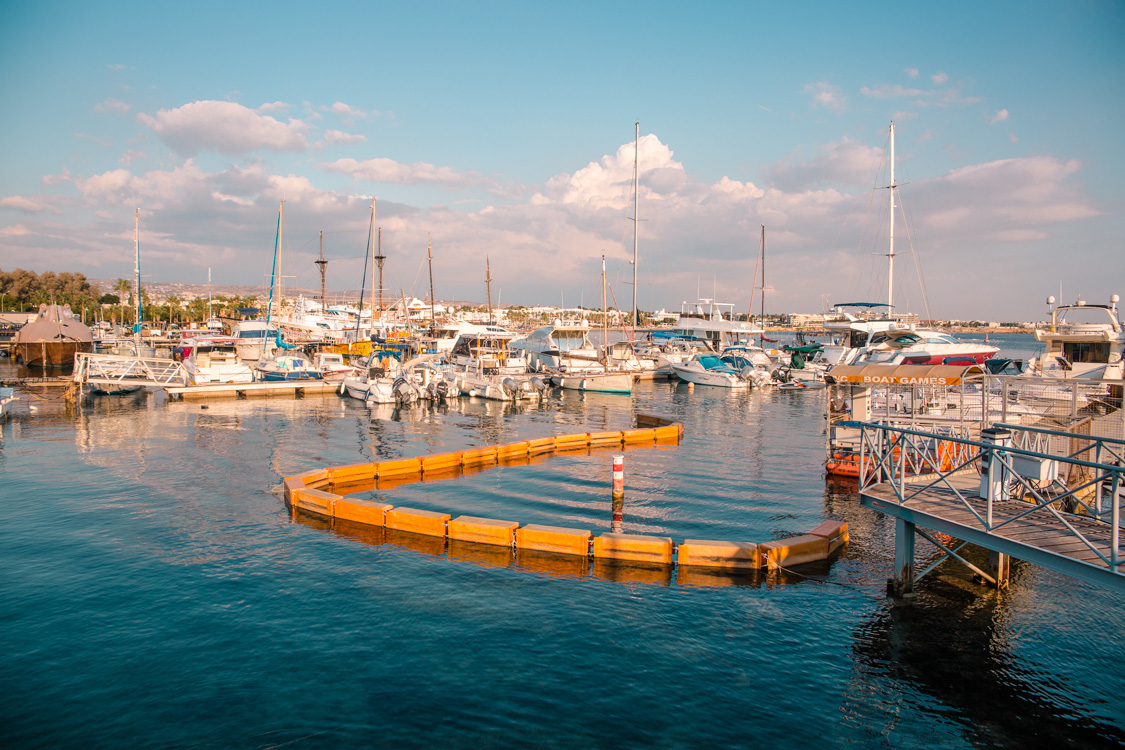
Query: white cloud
(890, 91)
(28, 205)
(272, 107)
(130, 156)
(342, 138)
(844, 163)
(345, 110)
(419, 173)
(112, 106)
(1001, 116)
(223, 126)
(15, 230)
(939, 78)
(912, 72)
(826, 95)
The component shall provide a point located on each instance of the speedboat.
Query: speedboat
(563, 346)
(7, 396)
(862, 339)
(709, 369)
(256, 339)
(332, 366)
(285, 367)
(214, 359)
(715, 323)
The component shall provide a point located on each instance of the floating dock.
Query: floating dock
(295, 388)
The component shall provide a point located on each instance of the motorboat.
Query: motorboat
(255, 339)
(716, 324)
(332, 367)
(52, 338)
(489, 350)
(214, 359)
(286, 366)
(7, 396)
(709, 369)
(1082, 341)
(862, 338)
(609, 381)
(563, 346)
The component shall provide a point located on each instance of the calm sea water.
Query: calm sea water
(156, 592)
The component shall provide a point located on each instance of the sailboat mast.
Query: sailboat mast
(380, 258)
(605, 323)
(488, 286)
(208, 294)
(280, 229)
(372, 234)
(137, 273)
(322, 263)
(763, 313)
(636, 218)
(430, 254)
(891, 251)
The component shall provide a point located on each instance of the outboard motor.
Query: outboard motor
(511, 387)
(404, 392)
(538, 384)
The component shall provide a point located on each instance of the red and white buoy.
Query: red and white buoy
(618, 476)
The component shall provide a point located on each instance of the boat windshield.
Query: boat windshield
(567, 340)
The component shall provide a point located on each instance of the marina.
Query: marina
(157, 472)
(434, 385)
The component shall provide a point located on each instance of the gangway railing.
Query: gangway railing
(997, 487)
(125, 370)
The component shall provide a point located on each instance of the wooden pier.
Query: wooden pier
(1061, 511)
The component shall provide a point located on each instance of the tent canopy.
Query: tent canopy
(902, 374)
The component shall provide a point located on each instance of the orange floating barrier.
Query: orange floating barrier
(426, 522)
(642, 435)
(351, 474)
(536, 446)
(655, 549)
(739, 555)
(361, 511)
(292, 484)
(794, 551)
(314, 501)
(604, 438)
(513, 450)
(836, 532)
(670, 432)
(315, 479)
(441, 462)
(554, 539)
(570, 442)
(399, 468)
(482, 530)
(479, 456)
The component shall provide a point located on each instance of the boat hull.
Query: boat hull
(614, 382)
(51, 354)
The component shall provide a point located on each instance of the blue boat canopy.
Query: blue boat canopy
(862, 304)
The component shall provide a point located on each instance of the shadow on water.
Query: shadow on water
(953, 644)
(947, 644)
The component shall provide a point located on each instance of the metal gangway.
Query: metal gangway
(1048, 497)
(122, 371)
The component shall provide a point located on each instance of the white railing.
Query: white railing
(124, 370)
(1012, 462)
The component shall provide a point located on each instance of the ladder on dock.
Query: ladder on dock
(1047, 497)
(115, 370)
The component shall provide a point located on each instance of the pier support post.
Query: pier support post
(902, 585)
(998, 567)
(992, 468)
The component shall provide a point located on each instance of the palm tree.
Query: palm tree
(122, 287)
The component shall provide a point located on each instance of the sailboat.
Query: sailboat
(257, 339)
(606, 380)
(859, 339)
(138, 349)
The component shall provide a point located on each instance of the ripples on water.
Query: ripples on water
(157, 593)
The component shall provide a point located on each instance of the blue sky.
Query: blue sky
(507, 130)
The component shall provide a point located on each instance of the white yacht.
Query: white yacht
(256, 339)
(716, 324)
(565, 346)
(214, 359)
(863, 339)
(1082, 341)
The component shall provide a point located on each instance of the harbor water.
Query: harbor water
(158, 593)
